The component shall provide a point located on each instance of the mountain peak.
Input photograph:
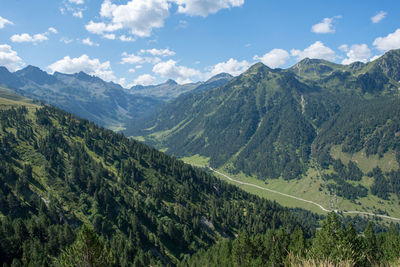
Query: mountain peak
(258, 67)
(222, 75)
(36, 75)
(83, 76)
(4, 70)
(171, 82)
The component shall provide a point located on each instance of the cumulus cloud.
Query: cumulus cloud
(4, 22)
(391, 41)
(109, 36)
(357, 52)
(101, 27)
(125, 38)
(27, 38)
(73, 7)
(145, 79)
(325, 26)
(131, 59)
(232, 66)
(344, 48)
(89, 42)
(85, 64)
(274, 59)
(77, 14)
(378, 17)
(131, 70)
(316, 50)
(136, 59)
(9, 58)
(170, 69)
(139, 16)
(205, 7)
(158, 52)
(36, 38)
(52, 30)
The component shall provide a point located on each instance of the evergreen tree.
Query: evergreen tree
(87, 251)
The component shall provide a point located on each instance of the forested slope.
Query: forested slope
(58, 172)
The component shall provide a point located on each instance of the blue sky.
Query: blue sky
(149, 41)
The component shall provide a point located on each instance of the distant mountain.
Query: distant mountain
(170, 89)
(105, 103)
(274, 123)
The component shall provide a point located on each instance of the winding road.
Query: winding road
(304, 200)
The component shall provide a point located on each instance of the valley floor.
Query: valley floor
(285, 193)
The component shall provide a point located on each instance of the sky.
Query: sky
(149, 41)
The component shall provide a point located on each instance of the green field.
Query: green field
(367, 163)
(310, 187)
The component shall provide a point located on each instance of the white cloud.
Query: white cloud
(181, 74)
(36, 38)
(391, 41)
(232, 66)
(74, 7)
(316, 50)
(274, 59)
(357, 52)
(145, 79)
(139, 66)
(109, 36)
(4, 21)
(325, 26)
(85, 64)
(125, 38)
(9, 58)
(139, 16)
(158, 52)
(131, 59)
(344, 48)
(27, 38)
(78, 2)
(101, 27)
(132, 70)
(89, 42)
(136, 59)
(205, 7)
(66, 40)
(77, 14)
(378, 17)
(52, 30)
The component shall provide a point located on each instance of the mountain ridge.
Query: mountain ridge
(90, 97)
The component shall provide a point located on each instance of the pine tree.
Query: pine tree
(87, 251)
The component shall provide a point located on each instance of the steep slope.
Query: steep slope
(289, 123)
(58, 172)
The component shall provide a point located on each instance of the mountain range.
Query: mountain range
(106, 103)
(316, 119)
(69, 188)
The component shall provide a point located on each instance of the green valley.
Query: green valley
(59, 172)
(317, 130)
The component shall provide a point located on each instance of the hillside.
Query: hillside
(307, 122)
(59, 172)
